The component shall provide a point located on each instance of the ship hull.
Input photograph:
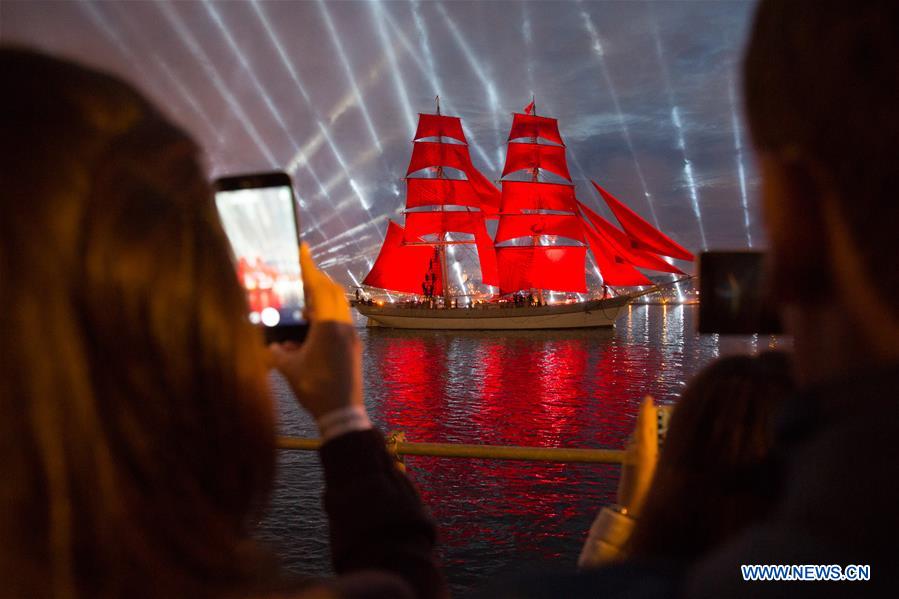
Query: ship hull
(596, 313)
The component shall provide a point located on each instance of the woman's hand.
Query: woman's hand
(639, 465)
(325, 371)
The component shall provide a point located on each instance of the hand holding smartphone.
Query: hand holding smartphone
(259, 214)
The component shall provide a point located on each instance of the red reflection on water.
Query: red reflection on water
(418, 409)
(570, 389)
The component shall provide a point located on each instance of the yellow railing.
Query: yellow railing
(398, 446)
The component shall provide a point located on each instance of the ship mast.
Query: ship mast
(409, 258)
(447, 296)
(535, 178)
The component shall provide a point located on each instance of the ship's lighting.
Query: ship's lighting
(679, 130)
(429, 71)
(287, 85)
(458, 269)
(196, 50)
(613, 94)
(741, 171)
(100, 21)
(249, 71)
(492, 97)
(324, 131)
(345, 62)
(688, 173)
(398, 83)
(680, 295)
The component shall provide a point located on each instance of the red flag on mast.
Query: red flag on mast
(529, 108)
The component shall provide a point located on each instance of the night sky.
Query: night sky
(647, 96)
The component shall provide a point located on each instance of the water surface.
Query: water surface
(577, 388)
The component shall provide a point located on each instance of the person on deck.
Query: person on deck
(138, 432)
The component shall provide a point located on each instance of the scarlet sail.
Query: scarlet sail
(536, 211)
(535, 195)
(614, 269)
(643, 236)
(536, 156)
(401, 267)
(512, 226)
(529, 125)
(441, 222)
(542, 267)
(437, 125)
(441, 192)
(433, 154)
(618, 242)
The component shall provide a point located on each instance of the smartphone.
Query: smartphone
(734, 296)
(259, 214)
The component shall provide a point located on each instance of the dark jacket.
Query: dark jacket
(837, 474)
(839, 449)
(382, 540)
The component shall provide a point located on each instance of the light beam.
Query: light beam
(188, 39)
(398, 83)
(738, 146)
(613, 94)
(492, 96)
(348, 70)
(678, 126)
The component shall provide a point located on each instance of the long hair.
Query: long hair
(713, 474)
(137, 432)
(820, 78)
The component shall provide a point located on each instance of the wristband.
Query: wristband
(343, 420)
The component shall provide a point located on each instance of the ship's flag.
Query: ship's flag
(529, 108)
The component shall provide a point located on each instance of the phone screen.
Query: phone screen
(734, 297)
(261, 225)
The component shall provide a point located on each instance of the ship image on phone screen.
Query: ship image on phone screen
(261, 227)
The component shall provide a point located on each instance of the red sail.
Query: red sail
(441, 192)
(619, 242)
(432, 153)
(559, 268)
(528, 195)
(643, 235)
(419, 224)
(614, 270)
(490, 195)
(528, 225)
(440, 222)
(486, 256)
(403, 267)
(529, 125)
(437, 125)
(530, 156)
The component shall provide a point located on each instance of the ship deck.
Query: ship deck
(491, 310)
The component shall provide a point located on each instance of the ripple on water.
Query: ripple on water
(550, 388)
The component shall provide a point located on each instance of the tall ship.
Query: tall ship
(533, 265)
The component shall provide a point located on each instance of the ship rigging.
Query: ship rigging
(542, 235)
